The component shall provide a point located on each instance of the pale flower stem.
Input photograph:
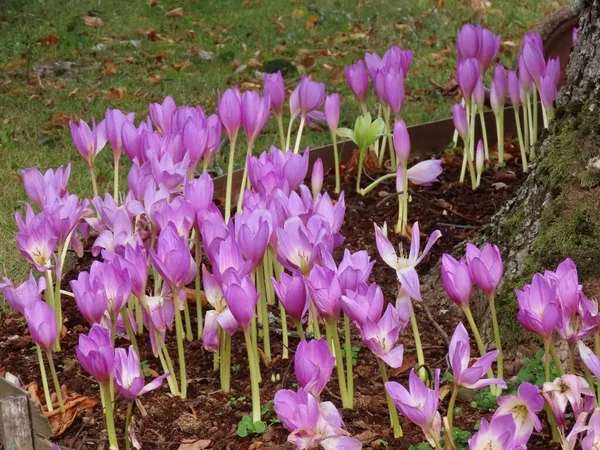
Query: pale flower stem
(471, 155)
(108, 412)
(521, 141)
(116, 180)
(336, 157)
(129, 330)
(339, 363)
(480, 346)
(500, 358)
(229, 180)
(556, 359)
(189, 335)
(450, 413)
(281, 132)
(56, 382)
(375, 183)
(299, 135)
(244, 178)
(391, 407)
(253, 364)
(284, 332)
(127, 424)
(535, 115)
(262, 304)
(289, 134)
(44, 379)
(349, 368)
(300, 331)
(93, 178)
(484, 134)
(180, 352)
(547, 358)
(361, 157)
(417, 337)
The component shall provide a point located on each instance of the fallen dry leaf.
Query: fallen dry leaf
(60, 119)
(200, 444)
(116, 93)
(14, 65)
(311, 22)
(154, 78)
(182, 66)
(72, 93)
(92, 21)
(110, 67)
(48, 41)
(60, 422)
(254, 64)
(176, 12)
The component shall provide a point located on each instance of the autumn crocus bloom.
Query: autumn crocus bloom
(41, 322)
(485, 266)
(422, 174)
(419, 404)
(467, 42)
(114, 120)
(96, 354)
(456, 280)
(90, 300)
(325, 291)
(230, 111)
(496, 434)
(36, 239)
(398, 59)
(460, 355)
(366, 302)
(291, 292)
(401, 142)
(309, 96)
(313, 365)
(592, 439)
(468, 76)
(548, 94)
(332, 111)
(298, 247)
(312, 424)
(533, 57)
(241, 297)
(538, 308)
(254, 115)
(172, 258)
(461, 124)
(405, 266)
(489, 44)
(381, 336)
(38, 186)
(89, 142)
(162, 114)
(356, 77)
(274, 88)
(568, 389)
(393, 89)
(129, 379)
(22, 296)
(523, 408)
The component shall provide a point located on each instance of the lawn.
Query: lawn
(72, 59)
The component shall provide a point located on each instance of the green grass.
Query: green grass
(32, 126)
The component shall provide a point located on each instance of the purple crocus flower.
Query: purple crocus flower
(22, 296)
(41, 322)
(312, 424)
(422, 174)
(274, 89)
(568, 389)
(460, 354)
(254, 114)
(291, 292)
(307, 97)
(313, 365)
(535, 63)
(89, 142)
(496, 434)
(523, 408)
(241, 297)
(398, 59)
(393, 88)
(592, 439)
(216, 298)
(373, 63)
(230, 111)
(402, 142)
(297, 247)
(356, 76)
(325, 291)
(405, 266)
(159, 316)
(252, 231)
(468, 75)
(168, 172)
(332, 111)
(120, 235)
(514, 88)
(538, 308)
(485, 266)
(419, 404)
(499, 88)
(548, 93)
(316, 180)
(90, 300)
(553, 70)
(36, 239)
(162, 114)
(194, 140)
(489, 44)
(129, 379)
(114, 120)
(366, 302)
(460, 121)
(178, 212)
(199, 192)
(589, 358)
(228, 262)
(114, 283)
(38, 186)
(96, 353)
(467, 42)
(456, 280)
(479, 95)
(172, 258)
(354, 268)
(380, 337)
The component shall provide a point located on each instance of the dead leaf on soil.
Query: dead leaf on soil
(14, 65)
(311, 22)
(154, 78)
(116, 93)
(48, 41)
(182, 66)
(408, 363)
(92, 21)
(200, 444)
(110, 67)
(74, 405)
(176, 12)
(60, 119)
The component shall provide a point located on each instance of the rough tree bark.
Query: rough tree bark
(556, 212)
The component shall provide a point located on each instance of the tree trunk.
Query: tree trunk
(556, 213)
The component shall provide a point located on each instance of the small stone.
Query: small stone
(383, 193)
(499, 186)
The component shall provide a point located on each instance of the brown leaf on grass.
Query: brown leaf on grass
(280, 26)
(407, 363)
(72, 93)
(74, 405)
(154, 78)
(190, 444)
(110, 67)
(92, 21)
(60, 120)
(182, 66)
(176, 12)
(254, 64)
(55, 84)
(450, 89)
(159, 57)
(307, 61)
(204, 54)
(116, 94)
(13, 65)
(48, 41)
(130, 59)
(311, 22)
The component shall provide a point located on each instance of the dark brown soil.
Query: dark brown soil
(208, 413)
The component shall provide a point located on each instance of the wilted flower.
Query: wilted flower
(129, 379)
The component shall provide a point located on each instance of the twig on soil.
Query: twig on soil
(435, 324)
(455, 225)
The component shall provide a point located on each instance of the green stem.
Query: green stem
(500, 358)
(165, 360)
(521, 141)
(253, 377)
(315, 321)
(198, 286)
(229, 179)
(299, 135)
(391, 407)
(525, 125)
(378, 181)
(244, 177)
(418, 346)
(349, 368)
(281, 132)
(336, 156)
(116, 180)
(94, 183)
(289, 134)
(49, 293)
(300, 331)
(129, 330)
(386, 130)
(108, 413)
(225, 360)
(553, 425)
(436, 441)
(284, 332)
(450, 412)
(484, 134)
(361, 157)
(44, 379)
(547, 358)
(262, 304)
(339, 363)
(139, 316)
(268, 274)
(471, 155)
(180, 352)
(127, 424)
(480, 346)
(189, 335)
(403, 204)
(556, 359)
(500, 133)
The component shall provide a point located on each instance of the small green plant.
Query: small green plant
(421, 446)
(484, 399)
(381, 442)
(533, 370)
(234, 401)
(247, 427)
(355, 352)
(235, 368)
(460, 438)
